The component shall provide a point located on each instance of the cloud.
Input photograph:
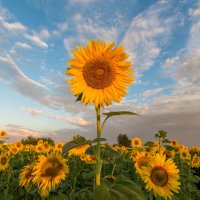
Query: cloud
(194, 12)
(77, 121)
(15, 78)
(86, 29)
(15, 26)
(44, 33)
(36, 40)
(32, 111)
(170, 61)
(152, 92)
(82, 2)
(16, 132)
(146, 35)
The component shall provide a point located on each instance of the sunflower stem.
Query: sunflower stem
(151, 195)
(98, 156)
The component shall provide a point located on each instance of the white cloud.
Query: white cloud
(170, 61)
(15, 26)
(16, 132)
(77, 121)
(194, 12)
(22, 45)
(14, 77)
(36, 40)
(87, 29)
(152, 92)
(32, 111)
(82, 2)
(44, 33)
(146, 34)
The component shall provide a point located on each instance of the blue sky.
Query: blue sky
(162, 37)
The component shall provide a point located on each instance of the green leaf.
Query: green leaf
(79, 97)
(166, 141)
(101, 193)
(115, 113)
(98, 140)
(76, 142)
(149, 144)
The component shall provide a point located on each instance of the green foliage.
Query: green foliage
(32, 140)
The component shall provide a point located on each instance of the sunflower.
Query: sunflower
(136, 142)
(58, 147)
(3, 134)
(195, 162)
(161, 176)
(78, 150)
(49, 172)
(185, 155)
(101, 74)
(19, 145)
(25, 176)
(4, 161)
(141, 160)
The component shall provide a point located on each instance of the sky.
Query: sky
(162, 38)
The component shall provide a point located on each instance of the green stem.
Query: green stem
(113, 169)
(151, 195)
(98, 153)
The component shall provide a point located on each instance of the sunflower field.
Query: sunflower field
(161, 169)
(84, 169)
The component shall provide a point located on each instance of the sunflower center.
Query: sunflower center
(98, 73)
(3, 161)
(53, 168)
(136, 142)
(159, 176)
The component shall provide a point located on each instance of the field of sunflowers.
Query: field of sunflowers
(84, 169)
(161, 169)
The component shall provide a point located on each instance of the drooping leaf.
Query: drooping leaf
(76, 142)
(115, 113)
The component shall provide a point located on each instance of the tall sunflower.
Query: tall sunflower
(161, 176)
(49, 172)
(100, 72)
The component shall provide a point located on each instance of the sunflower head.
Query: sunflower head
(49, 172)
(4, 161)
(3, 134)
(101, 73)
(136, 142)
(195, 162)
(161, 176)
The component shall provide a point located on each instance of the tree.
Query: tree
(123, 140)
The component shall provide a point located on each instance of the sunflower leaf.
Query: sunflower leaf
(79, 97)
(76, 142)
(149, 144)
(115, 113)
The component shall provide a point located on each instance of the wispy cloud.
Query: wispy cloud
(36, 40)
(77, 121)
(15, 26)
(152, 92)
(20, 82)
(146, 35)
